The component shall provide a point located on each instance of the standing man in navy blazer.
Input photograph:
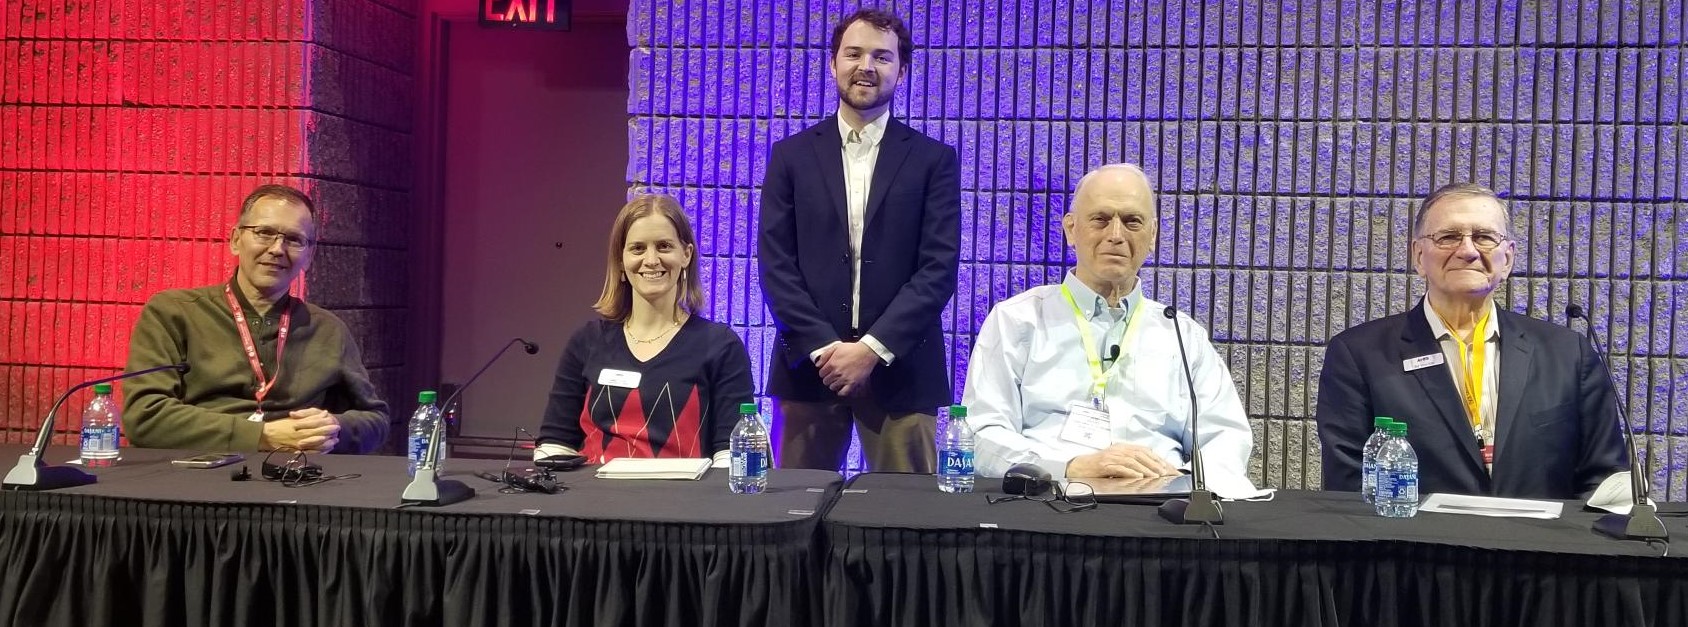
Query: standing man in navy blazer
(858, 245)
(1496, 403)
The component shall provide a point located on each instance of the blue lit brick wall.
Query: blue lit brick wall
(1288, 140)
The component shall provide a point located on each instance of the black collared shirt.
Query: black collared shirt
(265, 328)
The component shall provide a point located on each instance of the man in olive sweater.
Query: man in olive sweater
(268, 371)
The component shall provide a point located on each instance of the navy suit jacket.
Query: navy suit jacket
(1557, 432)
(910, 250)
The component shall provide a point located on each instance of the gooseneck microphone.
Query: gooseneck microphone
(33, 474)
(427, 488)
(1201, 507)
(1642, 522)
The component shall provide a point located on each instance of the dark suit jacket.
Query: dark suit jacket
(910, 248)
(1557, 431)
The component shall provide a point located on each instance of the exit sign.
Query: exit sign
(535, 14)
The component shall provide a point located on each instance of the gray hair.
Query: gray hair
(1460, 190)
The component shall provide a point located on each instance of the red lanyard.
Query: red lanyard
(252, 348)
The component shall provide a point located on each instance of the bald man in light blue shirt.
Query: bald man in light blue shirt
(1084, 378)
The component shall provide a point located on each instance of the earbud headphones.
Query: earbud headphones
(292, 471)
(534, 480)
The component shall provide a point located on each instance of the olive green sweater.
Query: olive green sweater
(208, 407)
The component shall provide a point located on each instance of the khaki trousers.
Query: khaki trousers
(817, 435)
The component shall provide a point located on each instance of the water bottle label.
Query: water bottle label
(418, 447)
(1399, 486)
(955, 462)
(99, 439)
(749, 464)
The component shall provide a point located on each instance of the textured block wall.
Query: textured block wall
(1288, 141)
(131, 130)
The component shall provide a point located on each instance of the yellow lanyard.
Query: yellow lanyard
(1093, 356)
(1471, 356)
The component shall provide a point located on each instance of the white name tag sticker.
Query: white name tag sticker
(1087, 426)
(618, 378)
(1422, 362)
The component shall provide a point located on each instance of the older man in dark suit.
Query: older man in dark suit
(1496, 403)
(858, 245)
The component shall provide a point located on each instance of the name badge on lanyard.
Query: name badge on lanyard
(251, 348)
(1472, 362)
(1087, 426)
(1092, 355)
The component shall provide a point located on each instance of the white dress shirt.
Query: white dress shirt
(861, 154)
(1456, 367)
(1028, 366)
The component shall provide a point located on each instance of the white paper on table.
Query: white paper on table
(1491, 506)
(690, 468)
(1614, 494)
(1235, 487)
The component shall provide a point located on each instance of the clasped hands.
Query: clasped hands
(310, 429)
(1126, 461)
(845, 367)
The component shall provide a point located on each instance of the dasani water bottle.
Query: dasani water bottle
(422, 428)
(100, 428)
(748, 448)
(955, 452)
(1397, 475)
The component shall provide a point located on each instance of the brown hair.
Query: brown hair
(882, 20)
(616, 301)
(275, 190)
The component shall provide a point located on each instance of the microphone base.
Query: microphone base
(32, 474)
(1641, 523)
(432, 492)
(1200, 508)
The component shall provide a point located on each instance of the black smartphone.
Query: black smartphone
(560, 462)
(209, 460)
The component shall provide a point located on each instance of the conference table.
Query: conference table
(153, 544)
(899, 552)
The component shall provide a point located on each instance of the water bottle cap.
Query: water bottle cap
(1398, 429)
(747, 408)
(102, 388)
(958, 411)
(427, 397)
(1382, 421)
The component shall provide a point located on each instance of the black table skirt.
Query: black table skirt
(69, 558)
(892, 563)
(154, 545)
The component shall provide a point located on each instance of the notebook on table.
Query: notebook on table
(689, 468)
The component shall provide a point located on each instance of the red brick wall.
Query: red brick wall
(130, 130)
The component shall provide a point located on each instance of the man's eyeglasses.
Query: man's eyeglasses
(1059, 500)
(266, 237)
(1483, 240)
